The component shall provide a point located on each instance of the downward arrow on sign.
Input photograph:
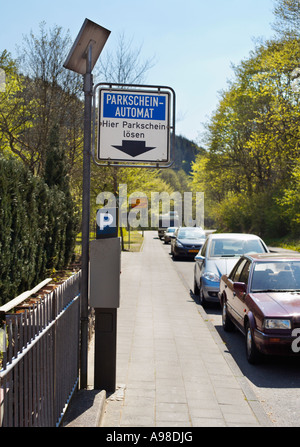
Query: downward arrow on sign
(134, 148)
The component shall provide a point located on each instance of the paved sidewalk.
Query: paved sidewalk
(173, 370)
(172, 367)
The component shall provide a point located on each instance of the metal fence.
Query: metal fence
(40, 357)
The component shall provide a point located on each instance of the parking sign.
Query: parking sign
(134, 125)
(107, 223)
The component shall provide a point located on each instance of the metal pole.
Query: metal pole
(88, 93)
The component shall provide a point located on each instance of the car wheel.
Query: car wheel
(228, 325)
(252, 352)
(196, 288)
(202, 300)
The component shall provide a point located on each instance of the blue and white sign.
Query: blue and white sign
(134, 125)
(134, 106)
(107, 223)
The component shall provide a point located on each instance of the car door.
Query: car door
(173, 240)
(233, 306)
(240, 296)
(200, 262)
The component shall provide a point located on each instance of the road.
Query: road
(276, 381)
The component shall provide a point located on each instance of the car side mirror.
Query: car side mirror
(199, 257)
(239, 287)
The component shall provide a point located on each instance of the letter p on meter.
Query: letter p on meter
(107, 223)
(104, 220)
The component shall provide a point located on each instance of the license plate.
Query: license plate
(193, 251)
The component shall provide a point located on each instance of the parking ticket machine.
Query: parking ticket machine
(105, 267)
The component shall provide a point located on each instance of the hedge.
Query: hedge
(38, 227)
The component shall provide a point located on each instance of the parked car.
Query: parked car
(187, 242)
(218, 256)
(170, 219)
(261, 297)
(168, 234)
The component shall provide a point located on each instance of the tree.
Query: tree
(55, 95)
(287, 18)
(253, 141)
(289, 202)
(56, 167)
(36, 229)
(57, 178)
(15, 111)
(125, 65)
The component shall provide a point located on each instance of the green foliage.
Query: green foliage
(39, 93)
(36, 229)
(289, 203)
(56, 164)
(256, 214)
(249, 173)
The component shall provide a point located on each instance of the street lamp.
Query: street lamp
(82, 59)
(90, 35)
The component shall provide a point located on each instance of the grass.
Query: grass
(132, 241)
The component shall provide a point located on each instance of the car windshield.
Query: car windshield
(235, 247)
(171, 230)
(191, 233)
(276, 276)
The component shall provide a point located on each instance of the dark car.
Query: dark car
(187, 241)
(261, 297)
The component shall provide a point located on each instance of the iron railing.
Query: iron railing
(40, 357)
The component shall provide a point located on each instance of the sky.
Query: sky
(193, 43)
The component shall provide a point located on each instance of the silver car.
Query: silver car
(217, 257)
(168, 234)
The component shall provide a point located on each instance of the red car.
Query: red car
(261, 297)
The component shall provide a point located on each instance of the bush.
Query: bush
(37, 229)
(258, 214)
